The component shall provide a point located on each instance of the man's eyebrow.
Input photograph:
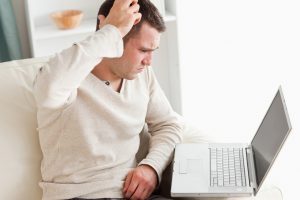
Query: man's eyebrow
(148, 49)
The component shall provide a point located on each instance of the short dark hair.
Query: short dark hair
(149, 12)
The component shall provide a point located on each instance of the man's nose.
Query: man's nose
(148, 59)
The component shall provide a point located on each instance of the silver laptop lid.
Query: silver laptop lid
(270, 137)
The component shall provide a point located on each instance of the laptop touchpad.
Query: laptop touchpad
(190, 166)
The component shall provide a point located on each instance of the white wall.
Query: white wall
(18, 6)
(234, 55)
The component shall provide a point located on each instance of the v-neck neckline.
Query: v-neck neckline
(102, 83)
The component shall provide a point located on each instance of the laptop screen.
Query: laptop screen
(270, 136)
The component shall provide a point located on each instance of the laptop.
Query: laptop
(221, 169)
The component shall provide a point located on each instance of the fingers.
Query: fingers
(134, 8)
(136, 15)
(127, 181)
(140, 193)
(137, 191)
(130, 185)
(101, 19)
(123, 15)
(131, 189)
(140, 183)
(127, 3)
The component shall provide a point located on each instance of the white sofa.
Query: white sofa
(19, 144)
(20, 154)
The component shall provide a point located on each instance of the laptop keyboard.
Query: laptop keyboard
(227, 167)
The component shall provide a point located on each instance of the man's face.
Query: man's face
(137, 53)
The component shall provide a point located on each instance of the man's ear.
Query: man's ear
(101, 19)
(137, 21)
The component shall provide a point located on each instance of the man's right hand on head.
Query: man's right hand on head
(123, 15)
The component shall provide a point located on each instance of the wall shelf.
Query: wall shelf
(86, 26)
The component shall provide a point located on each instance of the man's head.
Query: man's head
(149, 12)
(139, 43)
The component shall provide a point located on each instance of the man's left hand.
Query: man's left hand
(140, 183)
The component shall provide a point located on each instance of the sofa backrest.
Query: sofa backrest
(20, 153)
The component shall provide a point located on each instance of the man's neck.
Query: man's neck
(103, 72)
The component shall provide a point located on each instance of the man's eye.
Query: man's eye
(144, 51)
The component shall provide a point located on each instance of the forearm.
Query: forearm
(162, 144)
(164, 126)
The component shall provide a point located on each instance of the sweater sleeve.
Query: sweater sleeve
(165, 128)
(57, 81)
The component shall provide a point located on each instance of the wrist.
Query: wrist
(150, 168)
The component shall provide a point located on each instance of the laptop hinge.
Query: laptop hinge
(251, 168)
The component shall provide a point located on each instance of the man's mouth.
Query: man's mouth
(142, 68)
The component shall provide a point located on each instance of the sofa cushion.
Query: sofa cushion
(19, 146)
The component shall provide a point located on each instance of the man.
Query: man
(93, 100)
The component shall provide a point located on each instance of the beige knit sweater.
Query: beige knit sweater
(89, 134)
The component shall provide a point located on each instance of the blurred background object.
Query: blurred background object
(67, 19)
(10, 48)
